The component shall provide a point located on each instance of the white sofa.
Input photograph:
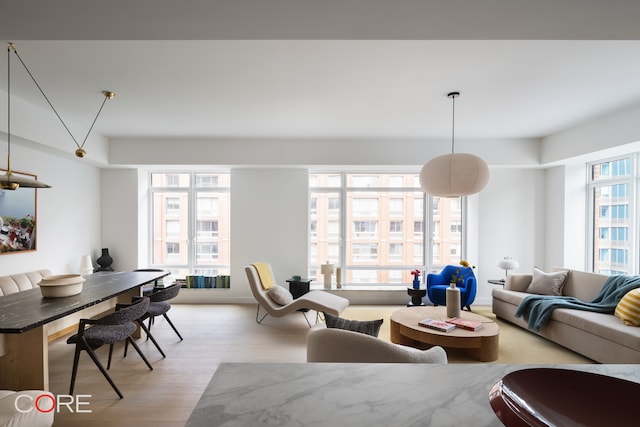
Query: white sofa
(601, 337)
(21, 281)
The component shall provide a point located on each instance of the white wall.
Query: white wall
(68, 215)
(511, 223)
(269, 222)
(121, 217)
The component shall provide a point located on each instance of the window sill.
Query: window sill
(373, 287)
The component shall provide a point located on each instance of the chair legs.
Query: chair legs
(258, 314)
(172, 325)
(152, 321)
(260, 319)
(82, 344)
(149, 336)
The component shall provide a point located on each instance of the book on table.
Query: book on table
(470, 325)
(438, 325)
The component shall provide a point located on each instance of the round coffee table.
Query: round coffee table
(482, 344)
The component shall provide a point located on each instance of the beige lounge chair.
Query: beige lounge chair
(341, 346)
(319, 301)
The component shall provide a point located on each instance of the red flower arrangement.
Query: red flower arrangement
(415, 273)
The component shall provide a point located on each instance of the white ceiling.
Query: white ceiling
(309, 69)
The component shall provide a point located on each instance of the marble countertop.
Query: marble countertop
(340, 394)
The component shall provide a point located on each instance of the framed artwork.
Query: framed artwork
(18, 218)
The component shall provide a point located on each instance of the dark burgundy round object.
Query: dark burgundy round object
(563, 397)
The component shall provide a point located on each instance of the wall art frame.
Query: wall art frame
(18, 210)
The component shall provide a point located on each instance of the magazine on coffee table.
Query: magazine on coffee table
(465, 324)
(438, 325)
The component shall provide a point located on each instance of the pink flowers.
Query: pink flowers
(415, 273)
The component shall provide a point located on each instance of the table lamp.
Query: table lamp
(327, 270)
(86, 266)
(507, 263)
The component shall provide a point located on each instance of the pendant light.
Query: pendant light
(455, 174)
(80, 151)
(8, 181)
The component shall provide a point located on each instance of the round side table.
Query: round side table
(416, 296)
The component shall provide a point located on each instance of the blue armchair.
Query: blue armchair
(437, 284)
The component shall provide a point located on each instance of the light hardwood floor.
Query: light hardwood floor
(212, 334)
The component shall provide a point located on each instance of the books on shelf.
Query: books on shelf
(205, 282)
(438, 325)
(465, 324)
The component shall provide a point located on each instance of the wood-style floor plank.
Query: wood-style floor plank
(167, 395)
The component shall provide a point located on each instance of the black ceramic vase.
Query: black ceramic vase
(105, 261)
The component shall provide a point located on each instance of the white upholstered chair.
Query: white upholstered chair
(342, 346)
(319, 301)
(17, 408)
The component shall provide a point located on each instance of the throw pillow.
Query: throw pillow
(369, 327)
(280, 295)
(628, 309)
(547, 283)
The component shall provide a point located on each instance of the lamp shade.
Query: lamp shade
(508, 263)
(454, 175)
(86, 266)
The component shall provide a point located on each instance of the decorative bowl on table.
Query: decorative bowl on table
(62, 285)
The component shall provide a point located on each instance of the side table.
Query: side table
(499, 282)
(298, 287)
(416, 296)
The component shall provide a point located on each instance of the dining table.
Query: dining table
(25, 316)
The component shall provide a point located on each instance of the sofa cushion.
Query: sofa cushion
(628, 309)
(21, 281)
(547, 283)
(280, 295)
(603, 325)
(369, 327)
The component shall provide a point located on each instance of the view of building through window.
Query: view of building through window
(373, 226)
(611, 196)
(190, 217)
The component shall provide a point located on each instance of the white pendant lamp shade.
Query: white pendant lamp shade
(454, 175)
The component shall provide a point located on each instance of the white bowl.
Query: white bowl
(62, 285)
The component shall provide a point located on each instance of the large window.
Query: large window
(380, 226)
(190, 223)
(612, 201)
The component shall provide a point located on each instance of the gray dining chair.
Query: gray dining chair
(110, 329)
(159, 306)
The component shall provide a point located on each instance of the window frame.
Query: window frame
(195, 238)
(427, 261)
(609, 215)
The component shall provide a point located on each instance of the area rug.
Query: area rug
(516, 344)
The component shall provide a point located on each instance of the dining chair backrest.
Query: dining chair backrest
(128, 314)
(166, 293)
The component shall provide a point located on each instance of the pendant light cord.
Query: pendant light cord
(108, 95)
(453, 96)
(9, 107)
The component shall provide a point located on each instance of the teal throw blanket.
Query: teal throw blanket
(537, 309)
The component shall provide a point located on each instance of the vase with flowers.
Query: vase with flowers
(416, 278)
